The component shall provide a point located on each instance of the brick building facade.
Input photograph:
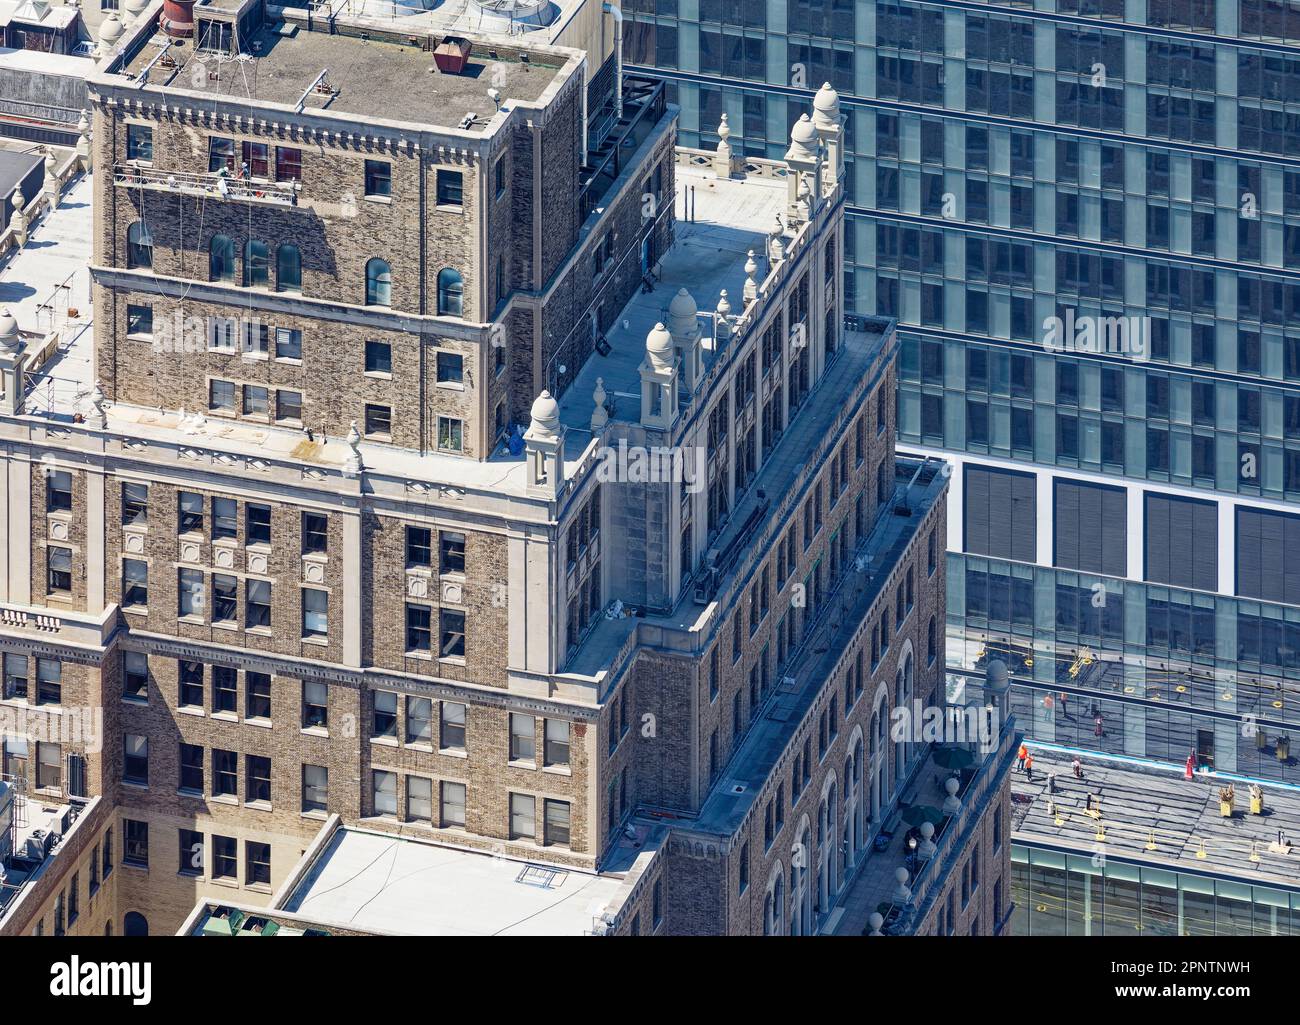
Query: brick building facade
(302, 563)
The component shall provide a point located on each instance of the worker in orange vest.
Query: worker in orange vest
(1021, 755)
(1029, 766)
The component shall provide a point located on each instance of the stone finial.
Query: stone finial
(110, 31)
(18, 219)
(803, 141)
(545, 415)
(751, 279)
(83, 141)
(928, 847)
(659, 347)
(904, 892)
(10, 340)
(134, 8)
(52, 185)
(354, 463)
(778, 247)
(952, 804)
(875, 920)
(826, 107)
(722, 158)
(599, 415)
(721, 321)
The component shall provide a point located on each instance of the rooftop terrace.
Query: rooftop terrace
(380, 882)
(719, 220)
(1152, 814)
(368, 72)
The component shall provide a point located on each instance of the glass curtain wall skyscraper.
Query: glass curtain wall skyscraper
(1085, 215)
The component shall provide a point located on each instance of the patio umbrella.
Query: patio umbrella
(919, 813)
(953, 757)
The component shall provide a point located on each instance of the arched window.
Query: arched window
(288, 269)
(221, 259)
(451, 293)
(135, 924)
(139, 245)
(379, 284)
(256, 264)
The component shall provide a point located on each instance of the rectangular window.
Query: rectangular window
(419, 545)
(419, 799)
(379, 178)
(190, 852)
(256, 163)
(257, 695)
(225, 773)
(315, 787)
(315, 705)
(556, 824)
(315, 613)
(556, 752)
(221, 155)
(379, 420)
(451, 368)
(257, 863)
(379, 357)
(49, 766)
(189, 593)
(257, 769)
(419, 629)
(523, 729)
(256, 400)
(451, 188)
(135, 759)
(453, 806)
(451, 735)
(451, 624)
(225, 857)
(225, 689)
(384, 791)
(221, 396)
(288, 164)
(257, 523)
(385, 724)
(135, 843)
(225, 519)
(225, 607)
(288, 406)
(192, 768)
(451, 433)
(135, 505)
(139, 143)
(58, 570)
(135, 583)
(288, 343)
(523, 817)
(135, 675)
(15, 677)
(451, 552)
(257, 604)
(190, 680)
(58, 491)
(190, 513)
(419, 720)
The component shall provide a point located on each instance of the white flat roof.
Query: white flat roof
(38, 61)
(396, 885)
